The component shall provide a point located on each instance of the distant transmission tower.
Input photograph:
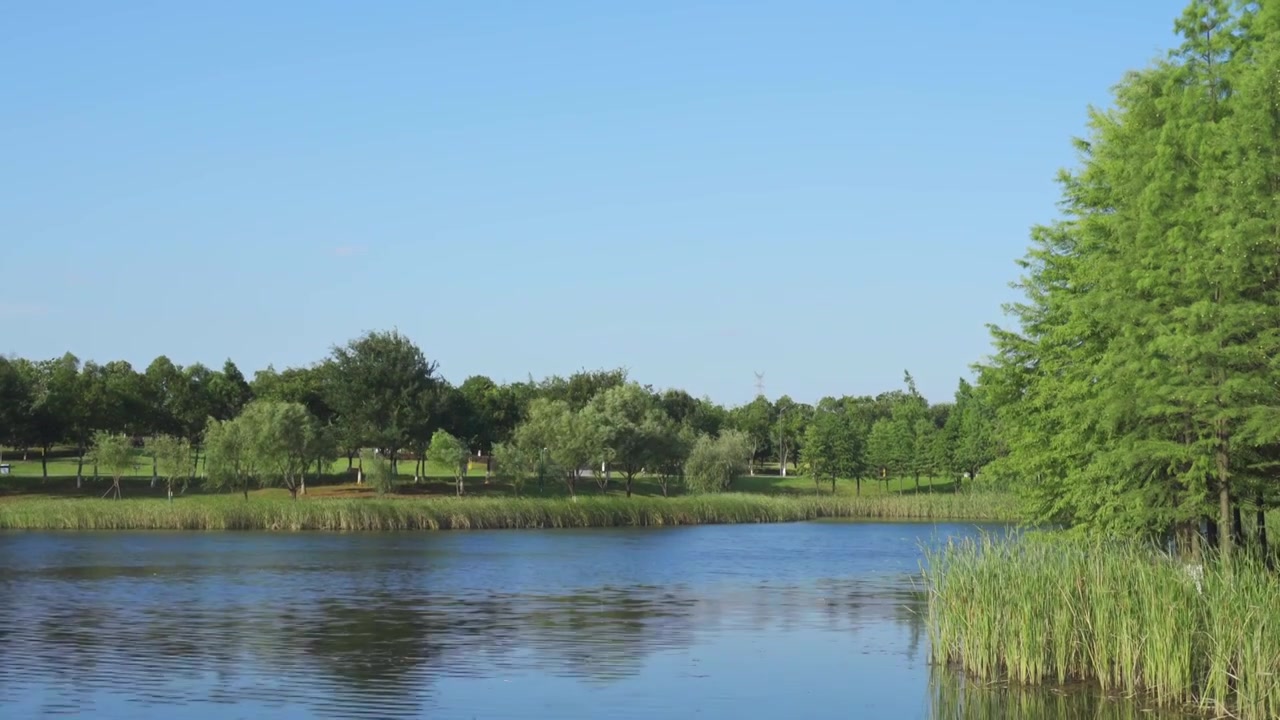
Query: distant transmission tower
(760, 384)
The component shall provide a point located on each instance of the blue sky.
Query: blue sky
(828, 192)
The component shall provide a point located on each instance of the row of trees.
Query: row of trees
(1140, 390)
(380, 392)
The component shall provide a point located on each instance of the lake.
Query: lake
(813, 620)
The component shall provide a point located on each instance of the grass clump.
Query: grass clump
(226, 512)
(1039, 609)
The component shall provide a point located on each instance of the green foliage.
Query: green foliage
(516, 464)
(833, 446)
(230, 460)
(379, 391)
(383, 389)
(672, 445)
(284, 440)
(113, 452)
(452, 453)
(632, 428)
(1138, 392)
(714, 463)
(569, 440)
(172, 456)
(969, 431)
(16, 399)
(377, 471)
(755, 421)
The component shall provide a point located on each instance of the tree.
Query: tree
(487, 411)
(569, 441)
(832, 446)
(113, 452)
(672, 445)
(970, 431)
(630, 423)
(56, 404)
(515, 464)
(791, 419)
(889, 448)
(715, 463)
(172, 456)
(283, 440)
(229, 392)
(379, 469)
(581, 387)
(378, 383)
(452, 453)
(230, 460)
(1140, 379)
(15, 402)
(755, 421)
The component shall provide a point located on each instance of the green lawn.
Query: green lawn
(26, 479)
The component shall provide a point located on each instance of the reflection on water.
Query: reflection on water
(744, 621)
(956, 698)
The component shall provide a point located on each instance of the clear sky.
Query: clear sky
(826, 191)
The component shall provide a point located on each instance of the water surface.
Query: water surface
(814, 620)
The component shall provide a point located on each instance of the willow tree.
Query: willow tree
(113, 452)
(171, 456)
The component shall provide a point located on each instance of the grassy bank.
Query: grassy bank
(1038, 610)
(234, 513)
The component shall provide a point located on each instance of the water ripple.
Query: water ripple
(530, 624)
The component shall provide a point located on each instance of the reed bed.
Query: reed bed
(234, 513)
(1039, 609)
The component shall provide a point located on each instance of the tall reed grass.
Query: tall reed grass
(1039, 609)
(233, 513)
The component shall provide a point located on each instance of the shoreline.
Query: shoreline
(448, 513)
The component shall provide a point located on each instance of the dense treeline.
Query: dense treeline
(1141, 391)
(378, 402)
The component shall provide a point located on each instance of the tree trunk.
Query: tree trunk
(246, 490)
(1237, 526)
(44, 462)
(1224, 502)
(302, 484)
(858, 486)
(663, 484)
(833, 484)
(115, 485)
(917, 483)
(80, 468)
(170, 493)
(1211, 533)
(1261, 530)
(350, 460)
(629, 486)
